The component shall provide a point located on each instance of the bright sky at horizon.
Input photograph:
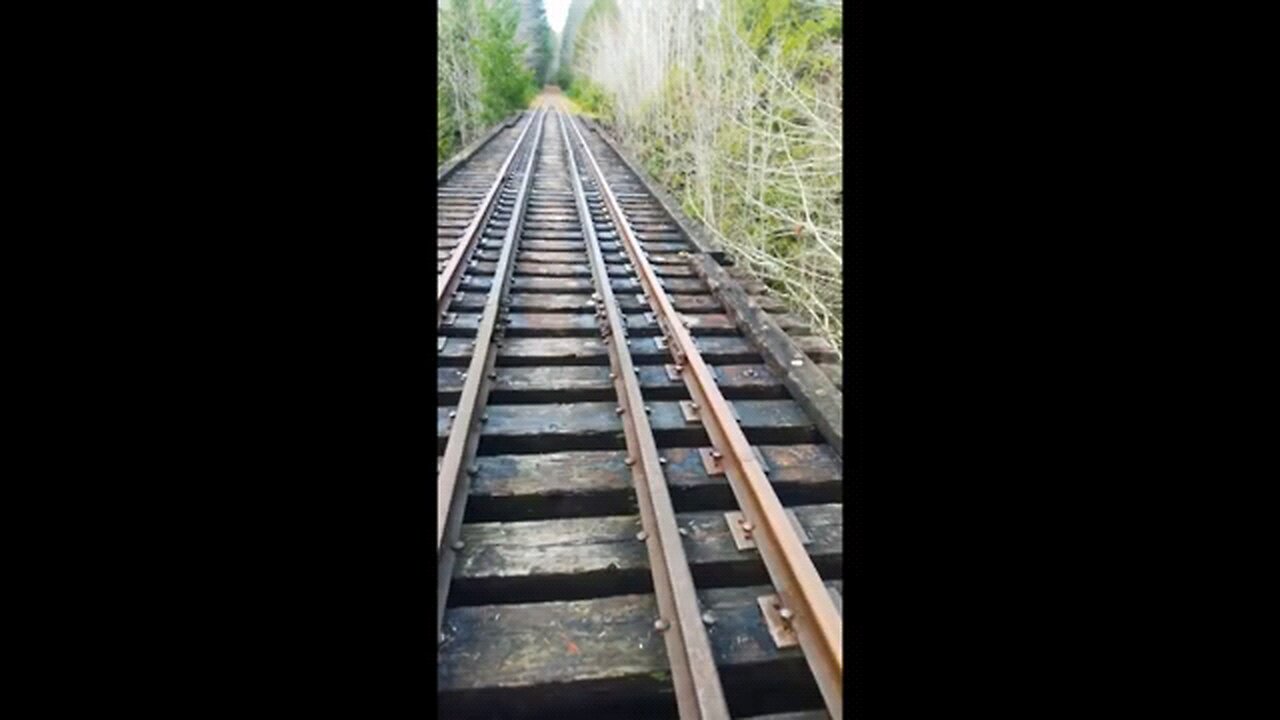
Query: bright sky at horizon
(557, 11)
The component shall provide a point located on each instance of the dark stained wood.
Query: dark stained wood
(596, 425)
(558, 324)
(835, 372)
(581, 302)
(603, 656)
(570, 484)
(586, 382)
(592, 351)
(808, 385)
(574, 558)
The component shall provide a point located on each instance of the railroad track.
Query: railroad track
(639, 456)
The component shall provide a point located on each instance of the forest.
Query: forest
(734, 106)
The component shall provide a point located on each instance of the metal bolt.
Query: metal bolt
(484, 418)
(786, 613)
(493, 376)
(613, 376)
(458, 545)
(629, 461)
(684, 531)
(619, 410)
(637, 371)
(661, 625)
(642, 535)
(748, 527)
(662, 460)
(648, 409)
(473, 469)
(453, 413)
(708, 618)
(679, 368)
(716, 454)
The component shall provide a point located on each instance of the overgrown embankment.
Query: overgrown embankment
(492, 57)
(735, 106)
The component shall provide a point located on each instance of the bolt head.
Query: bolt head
(786, 613)
(748, 526)
(661, 625)
(642, 536)
(708, 618)
(458, 545)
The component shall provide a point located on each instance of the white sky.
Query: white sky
(557, 11)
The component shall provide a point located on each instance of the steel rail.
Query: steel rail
(699, 695)
(813, 615)
(451, 276)
(464, 433)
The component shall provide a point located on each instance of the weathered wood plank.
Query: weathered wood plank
(591, 351)
(520, 384)
(481, 282)
(581, 302)
(558, 324)
(598, 482)
(604, 655)
(566, 559)
(596, 425)
(835, 372)
(559, 257)
(808, 385)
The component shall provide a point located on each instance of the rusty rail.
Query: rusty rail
(451, 276)
(804, 602)
(699, 695)
(464, 433)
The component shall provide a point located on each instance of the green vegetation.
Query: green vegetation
(735, 106)
(486, 71)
